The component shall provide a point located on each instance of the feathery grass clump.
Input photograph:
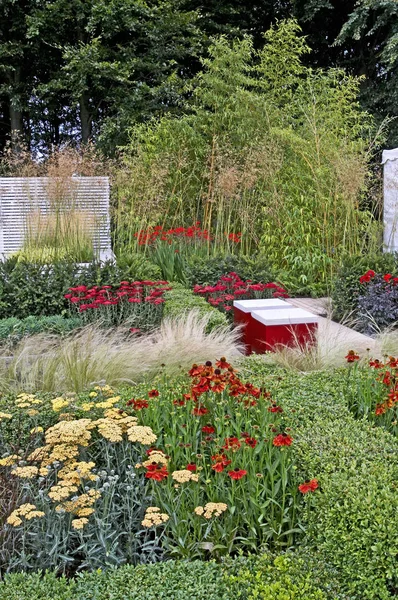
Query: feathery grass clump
(95, 354)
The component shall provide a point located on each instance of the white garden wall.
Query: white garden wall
(21, 195)
(390, 211)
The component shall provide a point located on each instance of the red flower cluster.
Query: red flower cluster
(308, 486)
(352, 356)
(137, 404)
(388, 376)
(137, 292)
(231, 287)
(152, 235)
(369, 275)
(156, 471)
(283, 439)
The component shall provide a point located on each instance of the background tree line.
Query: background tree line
(74, 70)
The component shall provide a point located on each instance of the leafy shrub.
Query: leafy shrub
(284, 577)
(378, 302)
(180, 300)
(351, 525)
(347, 287)
(36, 289)
(208, 270)
(176, 580)
(14, 329)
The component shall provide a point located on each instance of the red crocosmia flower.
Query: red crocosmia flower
(200, 411)
(387, 277)
(237, 474)
(352, 356)
(275, 409)
(156, 471)
(252, 442)
(208, 429)
(232, 443)
(283, 439)
(191, 467)
(220, 462)
(153, 393)
(308, 486)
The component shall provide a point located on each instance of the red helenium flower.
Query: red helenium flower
(237, 474)
(283, 439)
(308, 486)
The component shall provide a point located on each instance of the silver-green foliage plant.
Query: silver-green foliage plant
(268, 148)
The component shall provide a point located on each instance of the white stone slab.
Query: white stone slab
(261, 304)
(295, 316)
(390, 210)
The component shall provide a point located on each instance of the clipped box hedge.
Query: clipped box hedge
(180, 300)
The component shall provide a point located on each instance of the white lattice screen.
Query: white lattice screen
(20, 196)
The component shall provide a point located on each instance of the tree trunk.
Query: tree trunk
(16, 120)
(85, 119)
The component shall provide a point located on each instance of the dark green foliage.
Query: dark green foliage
(347, 288)
(32, 289)
(207, 271)
(14, 329)
(180, 301)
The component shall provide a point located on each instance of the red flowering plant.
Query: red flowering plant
(222, 468)
(372, 390)
(377, 301)
(231, 287)
(169, 248)
(139, 304)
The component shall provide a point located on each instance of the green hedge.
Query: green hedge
(265, 577)
(352, 523)
(180, 300)
(15, 329)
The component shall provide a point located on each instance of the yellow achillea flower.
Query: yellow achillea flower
(76, 472)
(58, 493)
(115, 413)
(9, 461)
(69, 432)
(59, 403)
(153, 516)
(28, 511)
(80, 502)
(32, 412)
(143, 435)
(156, 456)
(184, 475)
(5, 415)
(84, 512)
(93, 395)
(25, 472)
(110, 430)
(108, 403)
(36, 430)
(87, 406)
(211, 509)
(79, 523)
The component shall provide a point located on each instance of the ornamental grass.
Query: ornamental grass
(96, 354)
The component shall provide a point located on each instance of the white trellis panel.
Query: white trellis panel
(390, 208)
(21, 195)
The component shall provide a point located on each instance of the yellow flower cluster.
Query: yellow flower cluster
(5, 416)
(108, 403)
(59, 403)
(211, 509)
(184, 475)
(153, 516)
(81, 503)
(109, 429)
(105, 390)
(155, 456)
(36, 430)
(9, 461)
(25, 472)
(69, 432)
(79, 523)
(28, 511)
(87, 406)
(143, 435)
(26, 400)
